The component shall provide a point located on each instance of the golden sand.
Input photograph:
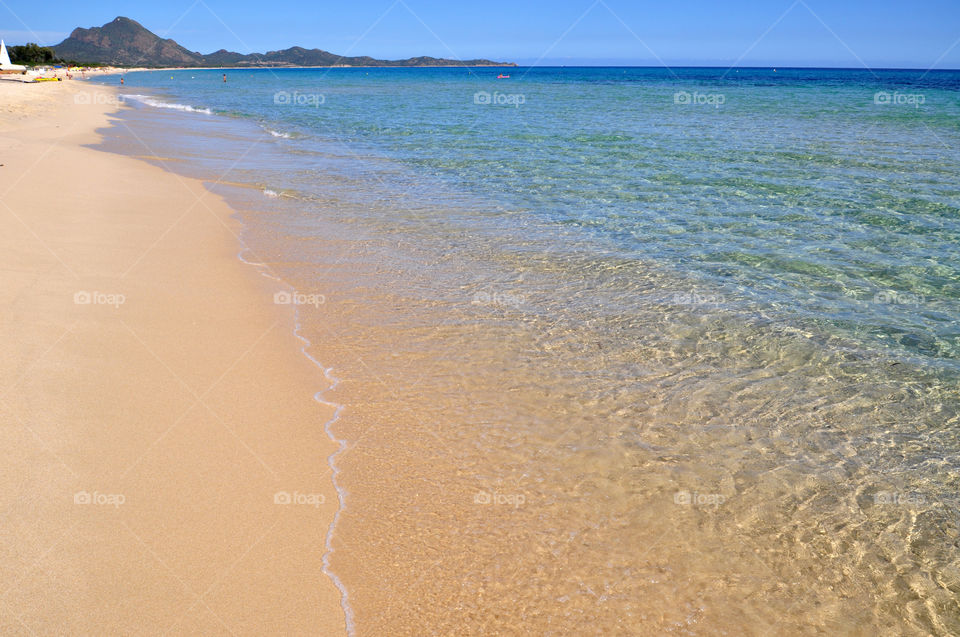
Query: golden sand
(156, 414)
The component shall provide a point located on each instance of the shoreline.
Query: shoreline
(500, 471)
(115, 70)
(115, 395)
(534, 409)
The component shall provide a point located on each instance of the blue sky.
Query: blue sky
(847, 33)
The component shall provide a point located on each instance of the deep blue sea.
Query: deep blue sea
(698, 328)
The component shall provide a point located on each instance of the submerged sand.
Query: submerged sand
(164, 464)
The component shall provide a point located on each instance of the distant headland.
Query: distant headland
(125, 42)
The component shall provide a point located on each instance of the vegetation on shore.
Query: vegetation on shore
(32, 54)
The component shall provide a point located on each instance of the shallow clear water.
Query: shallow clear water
(622, 351)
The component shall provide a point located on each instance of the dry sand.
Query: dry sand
(153, 400)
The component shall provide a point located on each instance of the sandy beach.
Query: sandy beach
(612, 355)
(164, 464)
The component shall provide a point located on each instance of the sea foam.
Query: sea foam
(151, 101)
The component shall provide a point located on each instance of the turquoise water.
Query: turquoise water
(798, 192)
(695, 331)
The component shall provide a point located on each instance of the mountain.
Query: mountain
(125, 42)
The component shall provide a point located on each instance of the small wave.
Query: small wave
(271, 193)
(151, 101)
(277, 134)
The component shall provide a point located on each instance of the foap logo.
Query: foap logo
(499, 299)
(886, 98)
(296, 98)
(890, 297)
(886, 497)
(296, 298)
(499, 99)
(686, 498)
(296, 498)
(103, 499)
(696, 298)
(685, 98)
(83, 297)
(89, 97)
(510, 499)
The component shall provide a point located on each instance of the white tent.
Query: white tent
(5, 64)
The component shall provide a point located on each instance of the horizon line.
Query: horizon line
(551, 66)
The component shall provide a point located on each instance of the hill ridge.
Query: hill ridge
(126, 42)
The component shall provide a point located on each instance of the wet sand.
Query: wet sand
(164, 465)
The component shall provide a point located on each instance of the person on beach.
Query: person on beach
(224, 78)
(121, 80)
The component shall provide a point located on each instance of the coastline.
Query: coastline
(503, 467)
(652, 459)
(166, 464)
